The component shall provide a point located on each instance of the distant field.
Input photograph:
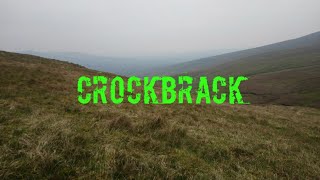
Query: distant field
(46, 133)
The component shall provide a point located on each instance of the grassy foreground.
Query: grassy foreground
(45, 133)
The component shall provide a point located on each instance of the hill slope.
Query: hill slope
(45, 133)
(311, 41)
(283, 73)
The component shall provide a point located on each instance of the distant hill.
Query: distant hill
(284, 73)
(311, 42)
(46, 134)
(122, 66)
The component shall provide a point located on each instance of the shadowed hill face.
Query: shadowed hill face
(46, 133)
(284, 77)
(283, 73)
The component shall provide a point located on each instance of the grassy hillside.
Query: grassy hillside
(45, 133)
(283, 73)
(284, 77)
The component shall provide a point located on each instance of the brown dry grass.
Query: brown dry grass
(45, 133)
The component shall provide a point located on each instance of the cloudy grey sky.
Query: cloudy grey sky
(149, 27)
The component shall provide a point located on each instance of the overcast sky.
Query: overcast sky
(152, 27)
